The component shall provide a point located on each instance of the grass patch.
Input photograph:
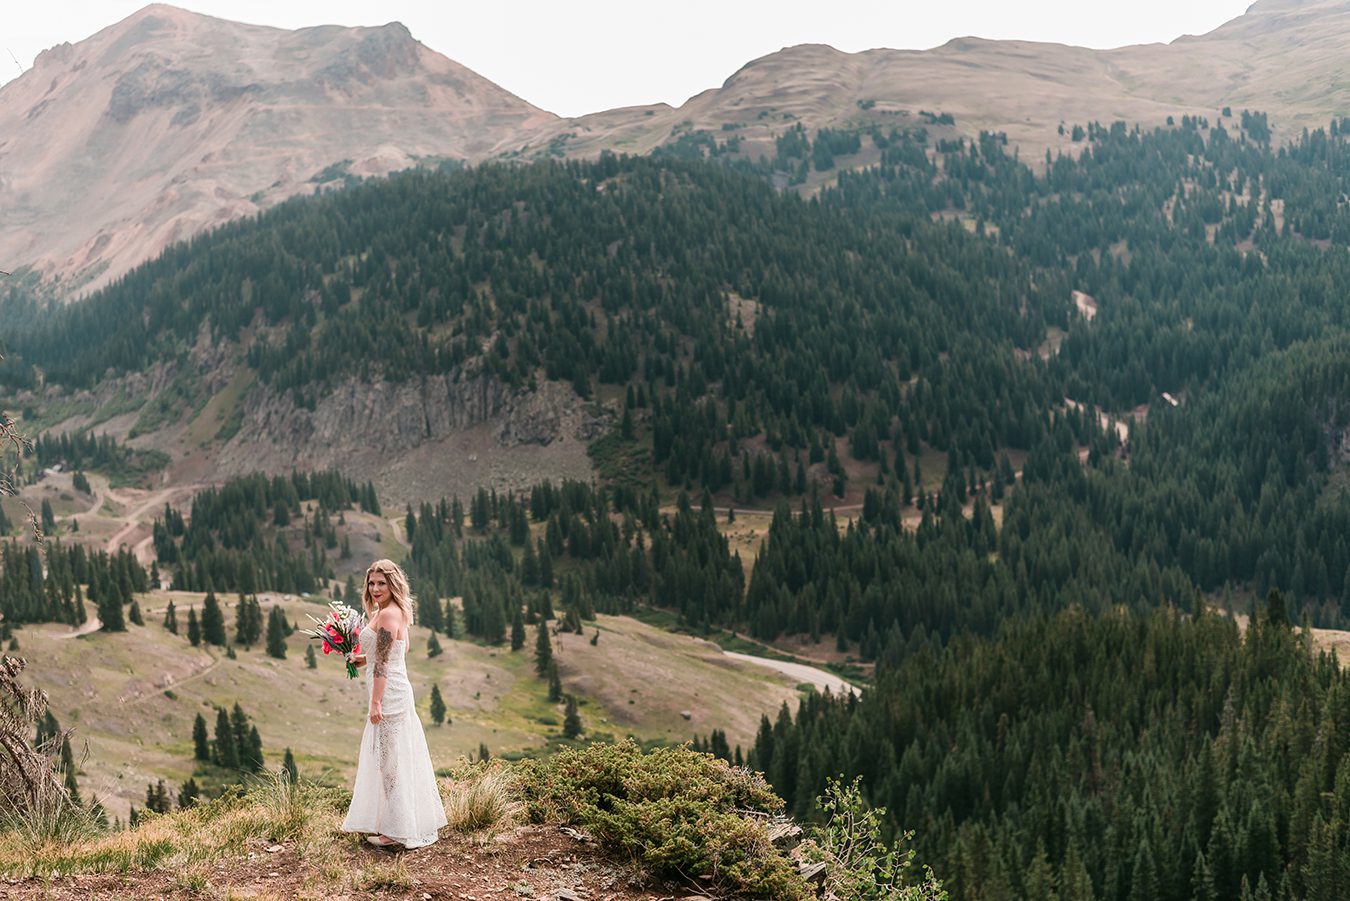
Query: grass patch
(378, 877)
(273, 811)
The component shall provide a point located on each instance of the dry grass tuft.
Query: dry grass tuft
(481, 796)
(382, 876)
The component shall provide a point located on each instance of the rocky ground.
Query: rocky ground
(539, 862)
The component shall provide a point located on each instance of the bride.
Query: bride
(396, 796)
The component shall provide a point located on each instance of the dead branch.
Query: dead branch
(28, 777)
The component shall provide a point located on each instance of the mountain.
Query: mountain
(170, 122)
(1282, 57)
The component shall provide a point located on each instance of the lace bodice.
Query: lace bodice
(396, 663)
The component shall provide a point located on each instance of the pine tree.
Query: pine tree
(194, 631)
(555, 691)
(451, 626)
(572, 719)
(226, 751)
(200, 746)
(276, 634)
(543, 650)
(157, 797)
(188, 794)
(288, 765)
(254, 761)
(311, 662)
(47, 729)
(517, 630)
(171, 618)
(72, 785)
(135, 614)
(110, 607)
(68, 767)
(239, 724)
(213, 621)
(247, 621)
(437, 705)
(433, 646)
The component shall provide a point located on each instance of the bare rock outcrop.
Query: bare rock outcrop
(440, 435)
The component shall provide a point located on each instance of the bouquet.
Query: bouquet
(339, 631)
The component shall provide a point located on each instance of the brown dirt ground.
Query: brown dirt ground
(538, 862)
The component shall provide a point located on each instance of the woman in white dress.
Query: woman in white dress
(395, 796)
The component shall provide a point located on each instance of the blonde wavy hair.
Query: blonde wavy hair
(400, 592)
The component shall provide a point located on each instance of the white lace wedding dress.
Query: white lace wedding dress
(395, 793)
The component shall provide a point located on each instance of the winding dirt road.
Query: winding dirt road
(136, 516)
(802, 673)
(92, 624)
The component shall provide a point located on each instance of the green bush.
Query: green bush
(679, 814)
(861, 866)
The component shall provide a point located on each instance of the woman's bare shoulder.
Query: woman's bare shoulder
(393, 618)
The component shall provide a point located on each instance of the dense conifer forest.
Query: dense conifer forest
(1032, 432)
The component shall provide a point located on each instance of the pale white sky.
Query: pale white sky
(589, 55)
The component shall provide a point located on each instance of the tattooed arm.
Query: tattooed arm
(379, 672)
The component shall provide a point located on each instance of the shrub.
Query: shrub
(679, 814)
(860, 865)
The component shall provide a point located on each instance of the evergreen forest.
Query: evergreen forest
(1057, 445)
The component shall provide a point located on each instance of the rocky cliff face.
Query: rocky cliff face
(420, 440)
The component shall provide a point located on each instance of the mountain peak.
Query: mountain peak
(169, 122)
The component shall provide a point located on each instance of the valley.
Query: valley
(1033, 425)
(131, 699)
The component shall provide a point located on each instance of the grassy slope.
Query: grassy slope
(133, 697)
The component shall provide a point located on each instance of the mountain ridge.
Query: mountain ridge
(170, 122)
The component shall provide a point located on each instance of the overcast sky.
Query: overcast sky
(589, 55)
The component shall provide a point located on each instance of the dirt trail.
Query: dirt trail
(96, 506)
(134, 517)
(396, 523)
(93, 624)
(156, 690)
(802, 673)
(754, 511)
